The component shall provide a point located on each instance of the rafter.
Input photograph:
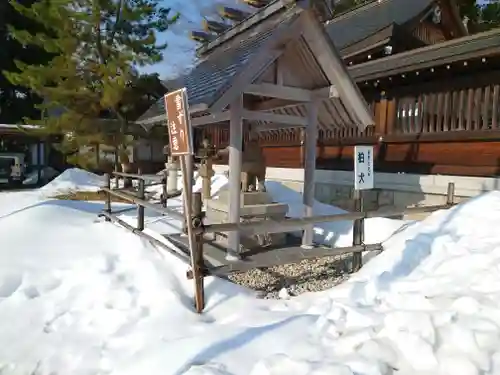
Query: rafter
(279, 92)
(274, 118)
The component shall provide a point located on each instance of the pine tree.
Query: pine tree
(97, 46)
(17, 101)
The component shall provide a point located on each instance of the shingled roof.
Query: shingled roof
(357, 24)
(209, 79)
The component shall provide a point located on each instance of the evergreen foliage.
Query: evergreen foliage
(91, 87)
(17, 101)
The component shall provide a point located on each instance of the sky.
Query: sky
(180, 53)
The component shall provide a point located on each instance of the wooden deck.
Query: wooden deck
(264, 257)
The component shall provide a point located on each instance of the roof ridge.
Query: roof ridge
(273, 7)
(352, 11)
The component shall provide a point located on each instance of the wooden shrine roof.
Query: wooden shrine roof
(212, 76)
(355, 25)
(460, 49)
(234, 51)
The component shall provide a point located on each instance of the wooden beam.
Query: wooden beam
(269, 52)
(279, 91)
(210, 119)
(271, 104)
(327, 92)
(295, 94)
(273, 117)
(274, 126)
(334, 68)
(235, 159)
(246, 24)
(280, 72)
(162, 118)
(261, 62)
(311, 138)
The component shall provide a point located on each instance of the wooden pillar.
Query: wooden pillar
(235, 159)
(391, 115)
(190, 174)
(381, 115)
(311, 135)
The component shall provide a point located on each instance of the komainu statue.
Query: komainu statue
(253, 165)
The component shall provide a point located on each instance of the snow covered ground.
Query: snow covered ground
(82, 296)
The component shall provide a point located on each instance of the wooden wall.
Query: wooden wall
(436, 126)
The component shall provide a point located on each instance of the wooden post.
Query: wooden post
(117, 178)
(173, 173)
(450, 196)
(311, 135)
(357, 232)
(107, 202)
(189, 201)
(206, 172)
(235, 159)
(140, 208)
(199, 297)
(190, 174)
(381, 115)
(164, 192)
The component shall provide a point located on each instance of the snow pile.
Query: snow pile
(429, 304)
(337, 233)
(32, 178)
(74, 179)
(86, 297)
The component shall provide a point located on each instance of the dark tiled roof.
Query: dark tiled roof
(210, 78)
(360, 23)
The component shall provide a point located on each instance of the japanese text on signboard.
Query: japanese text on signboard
(363, 168)
(178, 123)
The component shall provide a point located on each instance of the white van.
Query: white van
(12, 168)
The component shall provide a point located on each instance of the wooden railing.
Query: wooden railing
(462, 109)
(192, 253)
(443, 106)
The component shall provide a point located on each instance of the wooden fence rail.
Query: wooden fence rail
(141, 203)
(194, 254)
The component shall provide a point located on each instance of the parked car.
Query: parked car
(12, 168)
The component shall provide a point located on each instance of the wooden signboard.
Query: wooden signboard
(181, 145)
(179, 124)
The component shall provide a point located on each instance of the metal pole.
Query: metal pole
(357, 231)
(107, 202)
(164, 189)
(140, 208)
(199, 297)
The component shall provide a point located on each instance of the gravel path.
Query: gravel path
(310, 275)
